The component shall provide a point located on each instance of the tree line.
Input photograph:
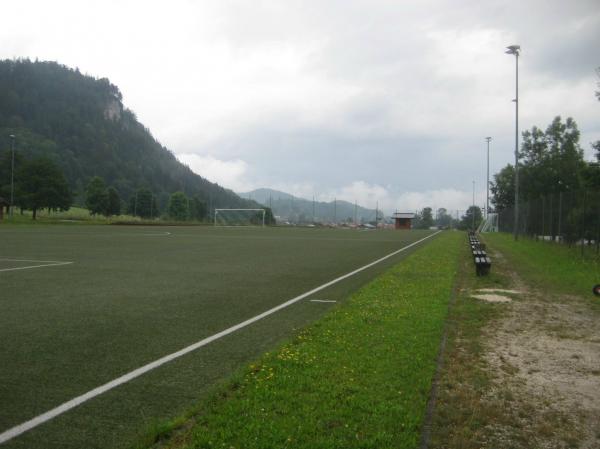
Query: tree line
(551, 161)
(424, 219)
(39, 183)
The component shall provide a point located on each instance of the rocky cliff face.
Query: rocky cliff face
(113, 109)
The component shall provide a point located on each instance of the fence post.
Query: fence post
(583, 226)
(598, 223)
(552, 236)
(544, 218)
(560, 216)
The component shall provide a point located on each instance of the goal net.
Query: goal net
(239, 217)
(490, 224)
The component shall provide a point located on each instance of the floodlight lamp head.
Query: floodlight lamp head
(513, 50)
(12, 136)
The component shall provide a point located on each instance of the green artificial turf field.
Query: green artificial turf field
(132, 295)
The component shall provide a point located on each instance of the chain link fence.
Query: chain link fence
(568, 217)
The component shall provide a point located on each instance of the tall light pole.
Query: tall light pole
(473, 207)
(12, 174)
(516, 50)
(335, 211)
(487, 186)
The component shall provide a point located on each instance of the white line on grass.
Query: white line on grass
(50, 414)
(42, 263)
(321, 300)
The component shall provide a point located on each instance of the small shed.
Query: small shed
(403, 220)
(3, 204)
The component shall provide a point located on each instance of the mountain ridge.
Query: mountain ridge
(300, 210)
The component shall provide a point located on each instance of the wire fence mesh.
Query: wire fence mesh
(570, 217)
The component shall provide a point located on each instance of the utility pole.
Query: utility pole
(377, 215)
(355, 219)
(313, 209)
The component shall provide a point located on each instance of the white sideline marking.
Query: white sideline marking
(321, 300)
(42, 263)
(50, 414)
(158, 234)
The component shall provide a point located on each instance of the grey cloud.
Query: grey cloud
(398, 93)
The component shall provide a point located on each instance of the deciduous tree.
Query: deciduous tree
(96, 196)
(114, 202)
(143, 204)
(197, 208)
(472, 218)
(42, 185)
(179, 206)
(503, 188)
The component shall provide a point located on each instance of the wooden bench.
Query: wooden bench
(482, 261)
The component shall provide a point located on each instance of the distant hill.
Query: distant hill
(80, 122)
(300, 210)
(264, 195)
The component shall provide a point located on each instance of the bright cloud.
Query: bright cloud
(230, 174)
(450, 199)
(369, 195)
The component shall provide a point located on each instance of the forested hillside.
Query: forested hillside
(80, 123)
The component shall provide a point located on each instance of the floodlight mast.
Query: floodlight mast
(487, 186)
(12, 174)
(516, 50)
(473, 207)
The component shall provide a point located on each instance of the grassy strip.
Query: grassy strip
(360, 377)
(75, 215)
(475, 408)
(545, 264)
(463, 410)
(79, 215)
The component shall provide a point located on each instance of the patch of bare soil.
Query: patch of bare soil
(544, 355)
(492, 297)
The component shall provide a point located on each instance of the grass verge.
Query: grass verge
(80, 215)
(360, 377)
(485, 397)
(463, 411)
(546, 264)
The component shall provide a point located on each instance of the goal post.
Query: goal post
(240, 217)
(490, 224)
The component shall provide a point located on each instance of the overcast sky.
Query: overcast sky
(385, 101)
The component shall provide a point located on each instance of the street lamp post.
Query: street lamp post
(12, 174)
(487, 185)
(516, 50)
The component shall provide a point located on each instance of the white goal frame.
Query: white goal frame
(247, 210)
(490, 224)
